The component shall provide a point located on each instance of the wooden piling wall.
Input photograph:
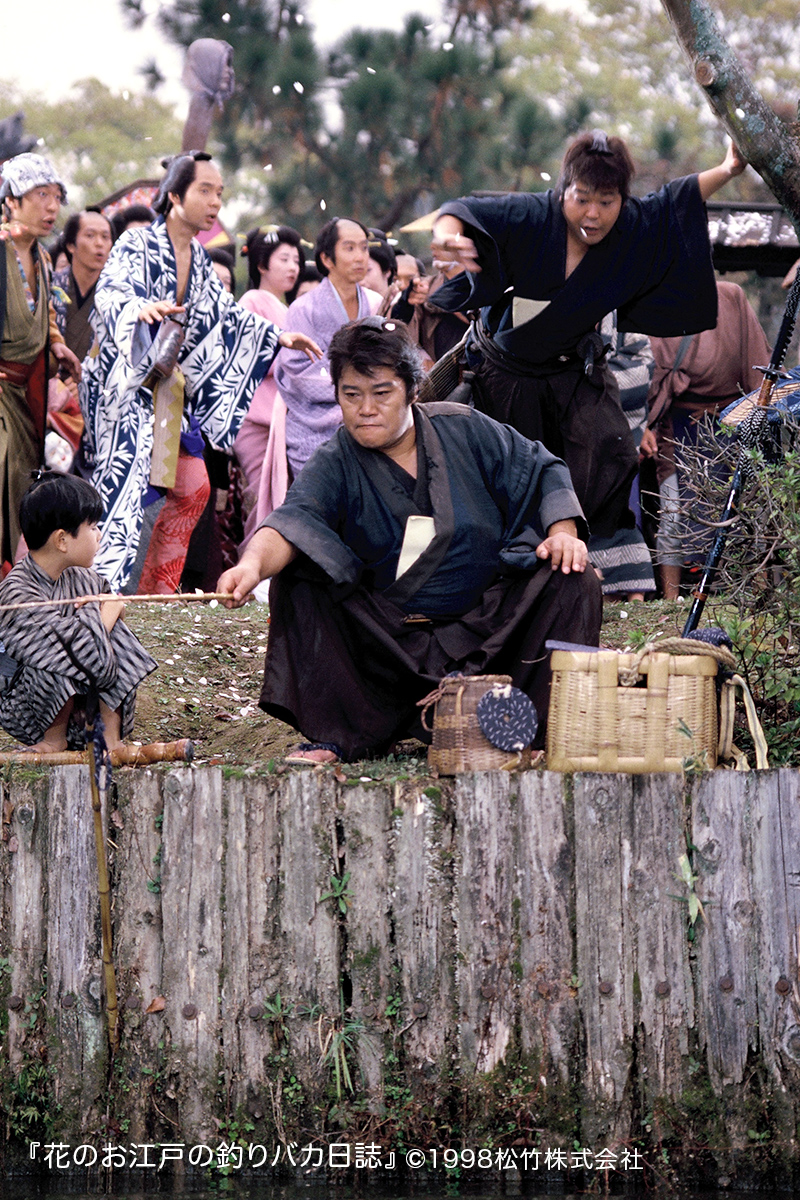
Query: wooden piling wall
(504, 958)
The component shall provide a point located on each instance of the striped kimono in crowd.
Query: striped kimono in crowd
(64, 652)
(225, 354)
(623, 559)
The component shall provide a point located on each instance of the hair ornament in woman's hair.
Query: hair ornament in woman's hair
(378, 323)
(599, 143)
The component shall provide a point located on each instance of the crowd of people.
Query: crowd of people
(300, 434)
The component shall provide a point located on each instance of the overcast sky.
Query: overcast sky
(50, 44)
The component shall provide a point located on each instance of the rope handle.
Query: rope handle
(460, 724)
(629, 676)
(428, 702)
(438, 692)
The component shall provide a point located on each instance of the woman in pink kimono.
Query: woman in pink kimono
(275, 259)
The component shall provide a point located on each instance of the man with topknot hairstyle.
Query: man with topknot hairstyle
(156, 273)
(544, 269)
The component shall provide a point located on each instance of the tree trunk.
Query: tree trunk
(763, 138)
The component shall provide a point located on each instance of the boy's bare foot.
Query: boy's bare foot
(55, 736)
(45, 747)
(113, 727)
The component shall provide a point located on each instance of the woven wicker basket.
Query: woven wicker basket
(735, 415)
(595, 724)
(458, 742)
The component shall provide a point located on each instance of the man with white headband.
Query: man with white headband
(32, 194)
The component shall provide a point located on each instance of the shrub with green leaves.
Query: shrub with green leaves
(757, 600)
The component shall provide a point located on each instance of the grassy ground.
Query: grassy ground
(208, 681)
(210, 666)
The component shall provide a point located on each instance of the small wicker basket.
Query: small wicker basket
(667, 717)
(458, 742)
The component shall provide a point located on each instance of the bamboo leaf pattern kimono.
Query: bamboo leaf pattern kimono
(226, 353)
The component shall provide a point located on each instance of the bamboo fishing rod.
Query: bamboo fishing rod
(750, 434)
(176, 598)
(127, 756)
(103, 886)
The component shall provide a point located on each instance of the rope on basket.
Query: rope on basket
(629, 676)
(438, 692)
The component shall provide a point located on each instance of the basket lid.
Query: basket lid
(507, 717)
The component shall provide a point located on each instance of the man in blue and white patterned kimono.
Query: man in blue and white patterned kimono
(153, 273)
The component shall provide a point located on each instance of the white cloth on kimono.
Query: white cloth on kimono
(312, 413)
(225, 354)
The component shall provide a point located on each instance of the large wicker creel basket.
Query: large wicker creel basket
(665, 717)
(458, 742)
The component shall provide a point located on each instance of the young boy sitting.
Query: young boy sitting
(66, 651)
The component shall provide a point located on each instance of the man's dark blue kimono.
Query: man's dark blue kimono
(352, 646)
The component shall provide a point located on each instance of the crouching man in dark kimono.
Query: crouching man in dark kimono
(421, 539)
(544, 269)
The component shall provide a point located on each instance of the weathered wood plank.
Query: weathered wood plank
(663, 991)
(139, 948)
(79, 1037)
(776, 884)
(544, 899)
(604, 831)
(192, 901)
(253, 950)
(309, 929)
(487, 993)
(727, 1009)
(366, 822)
(24, 919)
(424, 931)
